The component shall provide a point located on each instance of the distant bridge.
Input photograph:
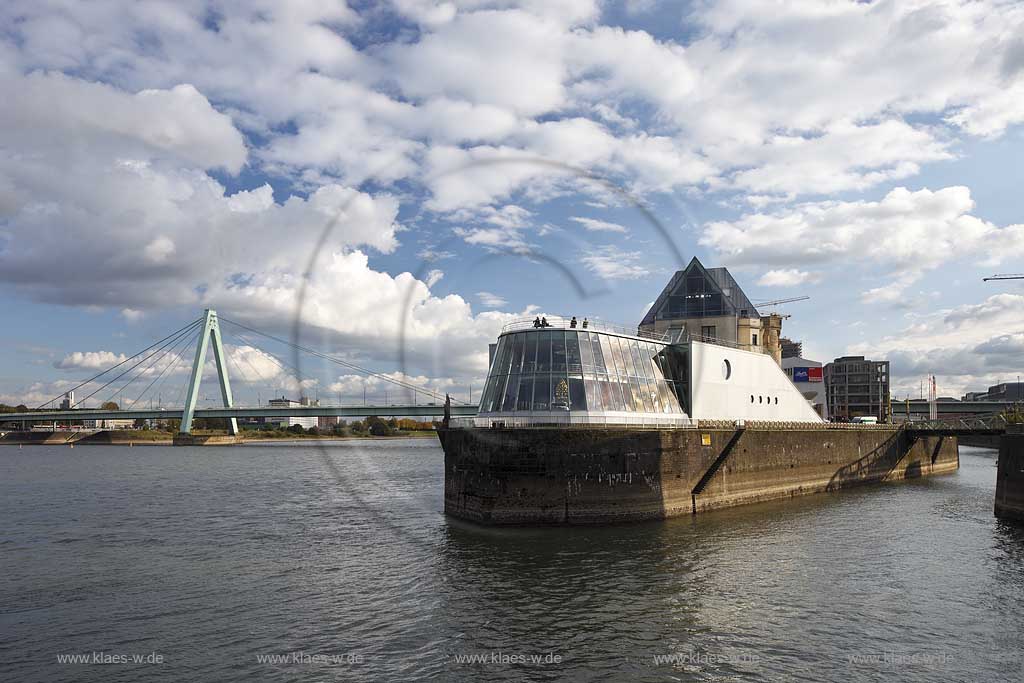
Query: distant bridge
(155, 361)
(993, 425)
(277, 413)
(949, 409)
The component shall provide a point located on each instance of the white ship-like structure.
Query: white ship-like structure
(596, 423)
(605, 375)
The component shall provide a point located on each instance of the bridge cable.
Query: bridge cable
(179, 398)
(179, 359)
(184, 330)
(282, 364)
(247, 361)
(145, 366)
(285, 364)
(232, 363)
(174, 358)
(236, 390)
(96, 377)
(148, 367)
(352, 366)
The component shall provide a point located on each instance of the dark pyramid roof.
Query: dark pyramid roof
(721, 278)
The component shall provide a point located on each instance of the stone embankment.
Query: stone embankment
(603, 475)
(1010, 476)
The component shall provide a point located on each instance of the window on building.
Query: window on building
(709, 331)
(753, 339)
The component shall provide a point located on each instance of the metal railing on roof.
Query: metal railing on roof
(676, 336)
(556, 420)
(557, 322)
(721, 342)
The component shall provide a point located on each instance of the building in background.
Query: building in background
(69, 401)
(792, 349)
(808, 376)
(857, 387)
(1006, 391)
(115, 424)
(108, 424)
(327, 421)
(285, 422)
(709, 303)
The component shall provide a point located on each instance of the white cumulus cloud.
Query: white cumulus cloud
(787, 277)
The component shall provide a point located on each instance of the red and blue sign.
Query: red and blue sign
(807, 375)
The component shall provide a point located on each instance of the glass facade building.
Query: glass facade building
(699, 292)
(566, 371)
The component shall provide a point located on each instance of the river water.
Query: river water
(296, 562)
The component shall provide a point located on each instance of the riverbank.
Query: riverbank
(151, 438)
(105, 438)
(301, 439)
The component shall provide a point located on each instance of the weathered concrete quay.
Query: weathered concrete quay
(604, 475)
(1010, 475)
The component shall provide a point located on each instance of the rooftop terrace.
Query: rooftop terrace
(557, 322)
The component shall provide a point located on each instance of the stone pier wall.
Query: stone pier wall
(596, 476)
(1010, 476)
(980, 441)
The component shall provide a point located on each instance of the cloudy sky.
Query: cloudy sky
(442, 168)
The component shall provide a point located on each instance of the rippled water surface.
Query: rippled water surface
(216, 559)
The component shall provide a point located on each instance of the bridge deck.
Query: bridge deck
(957, 432)
(281, 412)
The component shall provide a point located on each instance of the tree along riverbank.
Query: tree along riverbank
(370, 428)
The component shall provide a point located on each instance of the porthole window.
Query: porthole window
(776, 400)
(751, 398)
(726, 369)
(760, 399)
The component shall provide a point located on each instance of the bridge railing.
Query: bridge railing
(988, 423)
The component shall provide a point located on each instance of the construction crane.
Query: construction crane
(1008, 276)
(775, 302)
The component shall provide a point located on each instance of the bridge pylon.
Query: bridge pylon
(210, 333)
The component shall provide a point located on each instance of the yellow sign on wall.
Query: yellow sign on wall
(705, 439)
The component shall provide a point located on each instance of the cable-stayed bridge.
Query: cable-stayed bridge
(123, 390)
(146, 374)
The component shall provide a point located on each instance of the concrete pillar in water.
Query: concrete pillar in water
(1010, 475)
